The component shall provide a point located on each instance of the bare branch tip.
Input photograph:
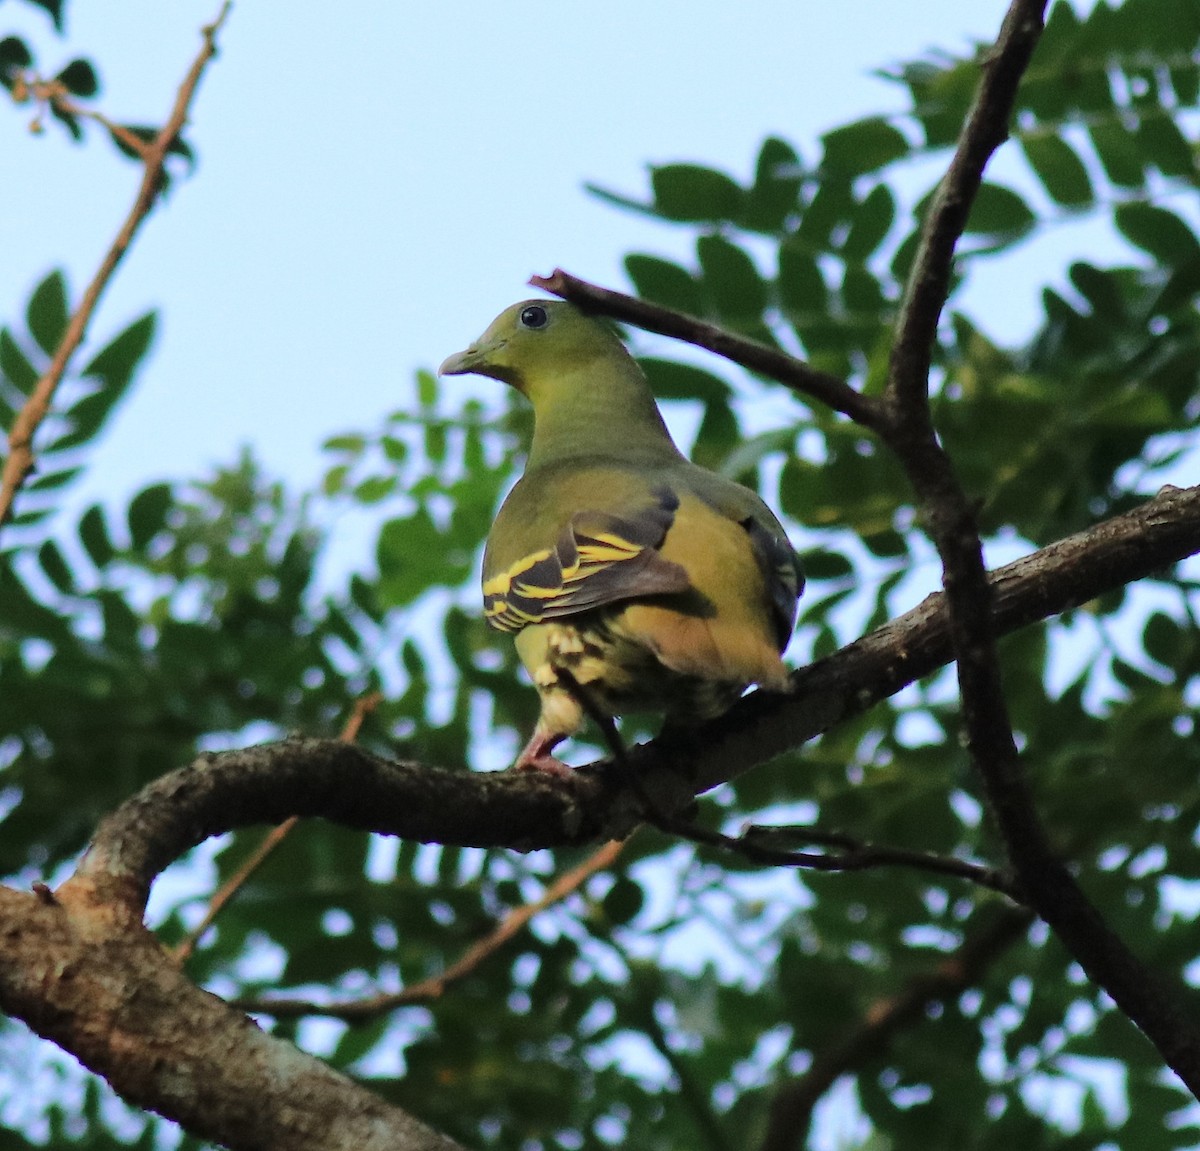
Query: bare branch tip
(554, 283)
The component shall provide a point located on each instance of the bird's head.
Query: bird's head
(536, 346)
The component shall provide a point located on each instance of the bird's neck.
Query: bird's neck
(617, 419)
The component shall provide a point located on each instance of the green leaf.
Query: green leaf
(1133, 409)
(732, 282)
(1165, 641)
(412, 557)
(832, 203)
(375, 488)
(1119, 152)
(826, 565)
(802, 290)
(623, 900)
(740, 463)
(86, 419)
(52, 563)
(54, 8)
(15, 364)
(999, 212)
(427, 389)
(47, 314)
(1058, 167)
(941, 94)
(662, 282)
(777, 183)
(68, 119)
(118, 360)
(863, 294)
(870, 223)
(148, 514)
(93, 534)
(717, 435)
(688, 192)
(14, 57)
(1158, 231)
(52, 481)
(7, 413)
(79, 78)
(864, 146)
(1166, 146)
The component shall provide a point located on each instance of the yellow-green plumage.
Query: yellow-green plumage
(658, 585)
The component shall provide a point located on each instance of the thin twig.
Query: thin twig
(371, 1007)
(184, 948)
(792, 1108)
(856, 856)
(787, 370)
(20, 461)
(54, 94)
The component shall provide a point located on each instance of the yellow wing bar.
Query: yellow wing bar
(599, 559)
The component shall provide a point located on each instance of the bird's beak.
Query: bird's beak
(460, 363)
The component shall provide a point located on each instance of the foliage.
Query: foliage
(667, 1003)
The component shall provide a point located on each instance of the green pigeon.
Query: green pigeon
(624, 571)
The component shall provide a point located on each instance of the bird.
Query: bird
(629, 576)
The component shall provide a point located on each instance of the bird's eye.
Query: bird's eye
(534, 316)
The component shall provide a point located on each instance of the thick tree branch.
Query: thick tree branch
(91, 978)
(325, 778)
(792, 1108)
(20, 461)
(1153, 1002)
(787, 370)
(184, 948)
(54, 948)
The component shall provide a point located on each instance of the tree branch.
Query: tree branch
(66, 960)
(787, 370)
(1152, 1001)
(524, 810)
(184, 948)
(985, 130)
(853, 855)
(88, 976)
(20, 461)
(792, 1108)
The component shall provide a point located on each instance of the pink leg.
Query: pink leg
(535, 755)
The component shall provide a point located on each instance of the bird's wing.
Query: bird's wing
(781, 570)
(599, 558)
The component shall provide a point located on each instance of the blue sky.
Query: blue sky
(375, 182)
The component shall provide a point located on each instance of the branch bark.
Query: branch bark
(1154, 1003)
(524, 811)
(806, 381)
(82, 971)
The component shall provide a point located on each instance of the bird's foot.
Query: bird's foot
(537, 755)
(545, 764)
